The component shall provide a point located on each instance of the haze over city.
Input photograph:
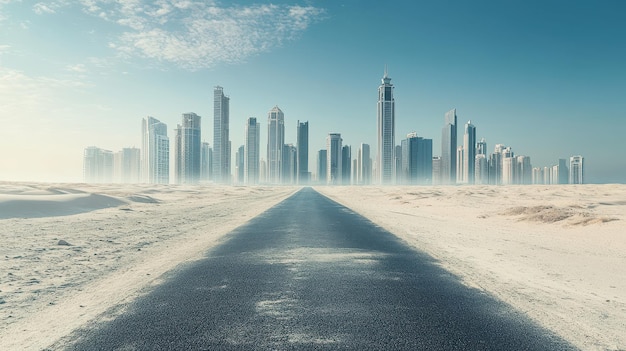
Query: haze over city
(545, 78)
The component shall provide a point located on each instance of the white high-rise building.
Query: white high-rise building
(364, 165)
(523, 173)
(97, 165)
(481, 169)
(385, 159)
(221, 131)
(436, 164)
(333, 159)
(537, 175)
(252, 151)
(481, 147)
(189, 151)
(576, 170)
(459, 164)
(448, 165)
(289, 164)
(469, 153)
(275, 143)
(508, 170)
(155, 151)
(206, 159)
(346, 164)
(127, 165)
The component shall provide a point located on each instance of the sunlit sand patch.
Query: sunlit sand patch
(572, 215)
(281, 308)
(302, 338)
(324, 255)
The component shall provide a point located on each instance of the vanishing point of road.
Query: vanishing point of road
(310, 274)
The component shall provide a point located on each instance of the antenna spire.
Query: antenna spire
(386, 71)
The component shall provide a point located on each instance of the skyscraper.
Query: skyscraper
(221, 142)
(409, 159)
(289, 164)
(481, 169)
(576, 170)
(364, 165)
(481, 147)
(448, 149)
(424, 161)
(436, 163)
(417, 156)
(252, 151)
(205, 162)
(469, 153)
(322, 165)
(275, 143)
(190, 149)
(397, 171)
(127, 165)
(346, 164)
(537, 175)
(333, 149)
(524, 170)
(302, 148)
(386, 131)
(178, 171)
(509, 165)
(562, 175)
(239, 167)
(155, 151)
(460, 152)
(97, 165)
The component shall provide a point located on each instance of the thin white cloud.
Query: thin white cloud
(40, 8)
(21, 94)
(78, 68)
(200, 34)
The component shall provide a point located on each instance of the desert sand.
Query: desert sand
(72, 251)
(556, 253)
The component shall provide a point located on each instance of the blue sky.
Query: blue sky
(545, 77)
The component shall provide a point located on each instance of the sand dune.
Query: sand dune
(557, 253)
(33, 206)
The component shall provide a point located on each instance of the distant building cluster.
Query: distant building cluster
(410, 162)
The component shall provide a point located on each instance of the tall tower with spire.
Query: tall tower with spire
(448, 149)
(386, 131)
(221, 142)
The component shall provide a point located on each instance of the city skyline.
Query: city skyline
(413, 159)
(550, 91)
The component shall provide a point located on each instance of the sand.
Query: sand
(557, 253)
(70, 252)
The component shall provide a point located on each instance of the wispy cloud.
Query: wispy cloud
(78, 68)
(22, 94)
(40, 8)
(201, 34)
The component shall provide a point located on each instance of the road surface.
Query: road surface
(310, 274)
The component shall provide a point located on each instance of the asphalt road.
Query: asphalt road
(310, 274)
